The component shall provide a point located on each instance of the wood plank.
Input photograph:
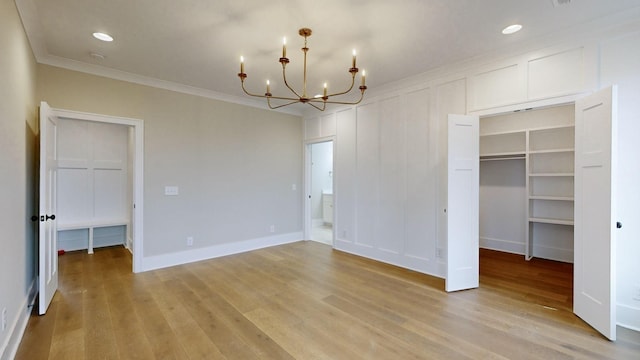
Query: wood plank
(307, 301)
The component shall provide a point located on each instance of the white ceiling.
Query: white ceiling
(198, 43)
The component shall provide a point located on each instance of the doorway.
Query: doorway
(320, 198)
(132, 134)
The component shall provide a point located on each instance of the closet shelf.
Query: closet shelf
(551, 151)
(558, 198)
(552, 174)
(551, 221)
(502, 156)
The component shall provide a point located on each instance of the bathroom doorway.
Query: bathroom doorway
(320, 197)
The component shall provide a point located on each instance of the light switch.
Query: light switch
(171, 190)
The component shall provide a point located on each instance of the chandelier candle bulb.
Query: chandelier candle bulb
(268, 87)
(241, 64)
(325, 90)
(353, 60)
(284, 47)
(363, 75)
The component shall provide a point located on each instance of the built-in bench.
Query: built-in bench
(91, 226)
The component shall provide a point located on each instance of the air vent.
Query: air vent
(557, 3)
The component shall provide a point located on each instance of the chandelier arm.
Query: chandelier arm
(339, 102)
(250, 94)
(294, 100)
(279, 106)
(324, 105)
(353, 81)
(284, 77)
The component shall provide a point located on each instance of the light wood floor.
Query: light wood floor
(307, 301)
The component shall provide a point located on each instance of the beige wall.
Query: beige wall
(234, 165)
(17, 160)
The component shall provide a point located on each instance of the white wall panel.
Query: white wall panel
(368, 154)
(328, 124)
(496, 87)
(70, 148)
(345, 179)
(109, 142)
(312, 128)
(92, 173)
(556, 74)
(109, 194)
(450, 98)
(421, 178)
(392, 190)
(74, 203)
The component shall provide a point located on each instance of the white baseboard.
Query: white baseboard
(551, 253)
(422, 265)
(543, 252)
(628, 317)
(129, 244)
(19, 325)
(198, 254)
(509, 246)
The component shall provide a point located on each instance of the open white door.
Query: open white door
(594, 232)
(48, 234)
(463, 203)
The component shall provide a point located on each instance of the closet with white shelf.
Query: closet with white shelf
(526, 183)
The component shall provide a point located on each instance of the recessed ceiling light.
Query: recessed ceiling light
(511, 29)
(102, 36)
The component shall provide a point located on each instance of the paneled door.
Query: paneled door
(463, 203)
(47, 232)
(595, 220)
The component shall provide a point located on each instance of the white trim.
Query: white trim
(210, 252)
(98, 70)
(138, 171)
(400, 260)
(509, 246)
(18, 327)
(630, 314)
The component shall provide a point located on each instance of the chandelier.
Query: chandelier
(319, 101)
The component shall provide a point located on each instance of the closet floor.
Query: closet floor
(545, 282)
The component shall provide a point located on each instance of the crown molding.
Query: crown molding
(98, 70)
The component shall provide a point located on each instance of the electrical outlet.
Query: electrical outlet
(272, 228)
(438, 253)
(190, 241)
(4, 319)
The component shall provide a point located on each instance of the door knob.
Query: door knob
(619, 225)
(52, 217)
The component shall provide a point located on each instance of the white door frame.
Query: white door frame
(138, 172)
(307, 184)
